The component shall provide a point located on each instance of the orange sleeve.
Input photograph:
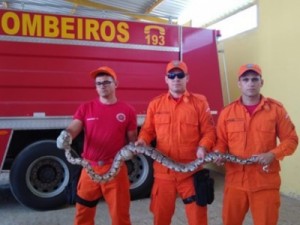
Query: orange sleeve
(207, 127)
(222, 140)
(287, 135)
(147, 132)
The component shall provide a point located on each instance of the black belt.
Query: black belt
(189, 199)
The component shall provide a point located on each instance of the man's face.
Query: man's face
(105, 85)
(250, 84)
(176, 81)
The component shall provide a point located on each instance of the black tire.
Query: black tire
(40, 175)
(140, 172)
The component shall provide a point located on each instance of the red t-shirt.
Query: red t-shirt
(105, 128)
(251, 108)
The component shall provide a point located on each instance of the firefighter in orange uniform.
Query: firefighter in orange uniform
(249, 127)
(108, 125)
(182, 125)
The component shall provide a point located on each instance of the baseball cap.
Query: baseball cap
(249, 67)
(177, 64)
(104, 69)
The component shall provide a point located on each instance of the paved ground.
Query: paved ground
(12, 213)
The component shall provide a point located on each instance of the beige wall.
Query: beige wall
(274, 46)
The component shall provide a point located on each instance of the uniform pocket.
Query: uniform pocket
(235, 126)
(154, 194)
(268, 126)
(162, 118)
(236, 133)
(189, 131)
(162, 126)
(266, 134)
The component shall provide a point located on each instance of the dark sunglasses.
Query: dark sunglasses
(179, 75)
(104, 83)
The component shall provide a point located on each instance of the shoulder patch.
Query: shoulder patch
(158, 97)
(275, 102)
(231, 103)
(198, 96)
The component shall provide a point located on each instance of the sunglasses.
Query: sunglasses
(104, 83)
(179, 75)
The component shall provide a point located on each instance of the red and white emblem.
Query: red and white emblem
(121, 117)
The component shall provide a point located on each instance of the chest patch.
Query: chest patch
(121, 117)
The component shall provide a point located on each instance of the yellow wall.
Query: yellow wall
(274, 45)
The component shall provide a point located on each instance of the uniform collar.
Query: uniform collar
(185, 94)
(264, 103)
(184, 98)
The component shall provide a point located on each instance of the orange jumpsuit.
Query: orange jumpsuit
(245, 135)
(115, 192)
(179, 127)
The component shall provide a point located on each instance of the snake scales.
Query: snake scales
(128, 151)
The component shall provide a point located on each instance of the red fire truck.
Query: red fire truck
(45, 60)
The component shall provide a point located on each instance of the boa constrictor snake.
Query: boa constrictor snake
(130, 150)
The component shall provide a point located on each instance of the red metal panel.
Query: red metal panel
(53, 78)
(200, 54)
(36, 82)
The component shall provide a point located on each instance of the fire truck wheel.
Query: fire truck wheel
(39, 176)
(140, 172)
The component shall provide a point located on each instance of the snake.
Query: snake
(130, 150)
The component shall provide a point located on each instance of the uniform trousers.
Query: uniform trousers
(163, 201)
(115, 192)
(264, 206)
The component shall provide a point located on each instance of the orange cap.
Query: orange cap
(104, 69)
(249, 67)
(177, 64)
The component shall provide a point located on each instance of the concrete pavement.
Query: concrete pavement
(12, 213)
